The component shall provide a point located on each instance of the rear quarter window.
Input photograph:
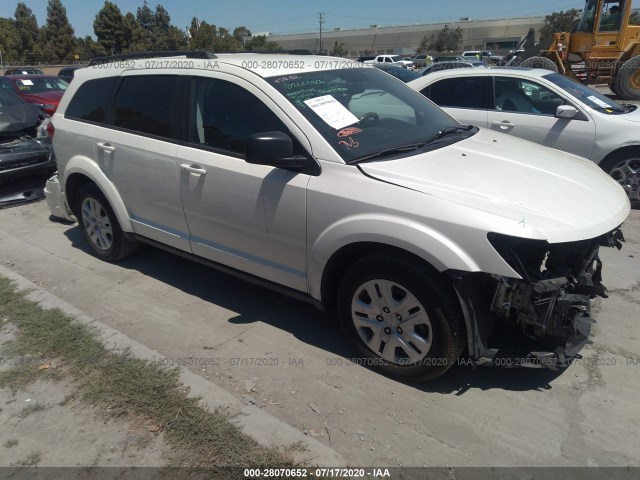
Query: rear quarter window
(92, 100)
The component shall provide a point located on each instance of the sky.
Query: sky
(297, 16)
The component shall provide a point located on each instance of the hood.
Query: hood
(16, 118)
(631, 116)
(560, 196)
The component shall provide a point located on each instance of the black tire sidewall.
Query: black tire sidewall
(623, 77)
(443, 315)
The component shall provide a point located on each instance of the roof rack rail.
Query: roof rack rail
(298, 51)
(169, 53)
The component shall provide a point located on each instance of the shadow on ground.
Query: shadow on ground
(302, 320)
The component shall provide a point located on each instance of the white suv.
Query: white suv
(338, 184)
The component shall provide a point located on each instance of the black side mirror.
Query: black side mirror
(274, 149)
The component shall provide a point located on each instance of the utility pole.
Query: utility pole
(321, 20)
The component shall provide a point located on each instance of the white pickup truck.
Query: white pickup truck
(390, 60)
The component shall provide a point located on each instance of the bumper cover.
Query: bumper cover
(56, 200)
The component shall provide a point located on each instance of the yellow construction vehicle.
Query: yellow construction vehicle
(605, 48)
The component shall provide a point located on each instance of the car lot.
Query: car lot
(292, 360)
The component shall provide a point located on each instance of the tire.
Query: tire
(539, 62)
(100, 226)
(624, 168)
(627, 80)
(437, 336)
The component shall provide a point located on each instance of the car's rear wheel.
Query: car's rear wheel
(401, 317)
(100, 226)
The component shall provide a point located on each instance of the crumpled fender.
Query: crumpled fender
(89, 168)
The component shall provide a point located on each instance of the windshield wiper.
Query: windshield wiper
(388, 151)
(445, 132)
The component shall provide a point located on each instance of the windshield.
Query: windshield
(8, 99)
(588, 16)
(586, 95)
(361, 111)
(41, 84)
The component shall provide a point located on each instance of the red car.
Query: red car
(42, 90)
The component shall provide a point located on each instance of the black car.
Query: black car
(22, 148)
(401, 73)
(364, 59)
(67, 73)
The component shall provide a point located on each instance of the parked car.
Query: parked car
(436, 67)
(23, 71)
(547, 108)
(421, 60)
(483, 55)
(44, 91)
(390, 60)
(402, 73)
(67, 73)
(345, 188)
(450, 58)
(366, 58)
(22, 148)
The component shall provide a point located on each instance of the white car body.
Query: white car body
(600, 137)
(288, 228)
(391, 60)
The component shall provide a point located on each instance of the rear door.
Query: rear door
(465, 98)
(138, 153)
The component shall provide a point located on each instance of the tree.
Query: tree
(9, 40)
(137, 38)
(27, 29)
(203, 35)
(87, 48)
(241, 34)
(339, 49)
(56, 37)
(109, 27)
(446, 39)
(559, 22)
(260, 43)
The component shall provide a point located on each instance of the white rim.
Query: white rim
(391, 322)
(97, 224)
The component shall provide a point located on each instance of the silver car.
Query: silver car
(547, 108)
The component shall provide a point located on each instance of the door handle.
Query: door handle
(193, 169)
(505, 125)
(107, 147)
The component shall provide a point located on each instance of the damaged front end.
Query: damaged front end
(24, 144)
(542, 319)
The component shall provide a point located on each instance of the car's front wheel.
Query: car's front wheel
(100, 226)
(624, 168)
(401, 317)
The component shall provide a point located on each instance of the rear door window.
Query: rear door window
(148, 104)
(461, 92)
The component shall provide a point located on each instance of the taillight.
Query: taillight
(51, 129)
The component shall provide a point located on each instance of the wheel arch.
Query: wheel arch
(80, 171)
(343, 258)
(351, 238)
(620, 153)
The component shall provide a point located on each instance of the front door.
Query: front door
(249, 217)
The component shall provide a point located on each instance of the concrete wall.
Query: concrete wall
(476, 35)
